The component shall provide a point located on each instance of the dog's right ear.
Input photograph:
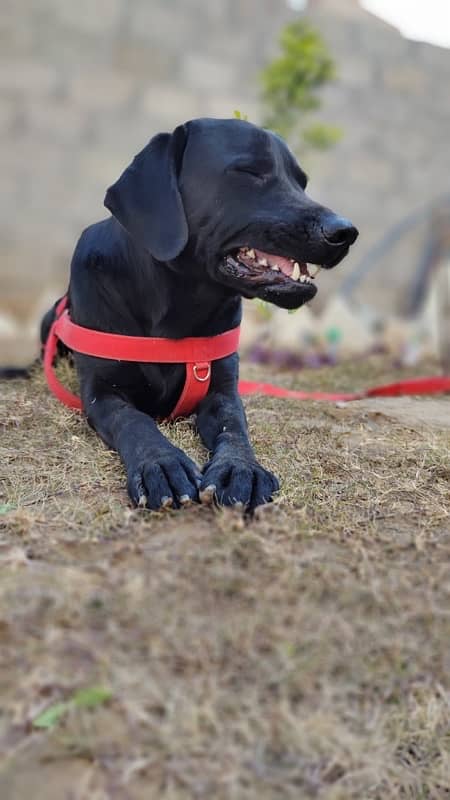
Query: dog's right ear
(146, 199)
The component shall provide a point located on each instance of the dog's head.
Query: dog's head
(227, 200)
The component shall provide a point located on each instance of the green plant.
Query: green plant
(291, 83)
(90, 697)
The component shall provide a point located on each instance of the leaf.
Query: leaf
(91, 697)
(51, 716)
(321, 136)
(264, 308)
(5, 507)
(239, 115)
(291, 84)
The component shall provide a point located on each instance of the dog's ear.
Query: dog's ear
(146, 199)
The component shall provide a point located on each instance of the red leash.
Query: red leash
(197, 353)
(433, 385)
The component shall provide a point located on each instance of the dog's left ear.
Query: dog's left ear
(146, 199)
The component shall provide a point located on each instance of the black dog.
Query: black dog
(214, 211)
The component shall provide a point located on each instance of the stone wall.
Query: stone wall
(392, 104)
(83, 86)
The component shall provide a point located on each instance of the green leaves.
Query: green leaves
(291, 82)
(51, 716)
(90, 697)
(239, 115)
(5, 507)
(321, 136)
(263, 308)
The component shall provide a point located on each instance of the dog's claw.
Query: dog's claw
(207, 495)
(239, 483)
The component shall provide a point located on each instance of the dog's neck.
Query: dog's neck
(175, 300)
(150, 298)
(196, 308)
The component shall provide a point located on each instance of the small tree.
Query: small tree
(290, 83)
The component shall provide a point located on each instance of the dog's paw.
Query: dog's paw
(237, 482)
(169, 480)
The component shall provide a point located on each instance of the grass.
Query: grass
(303, 655)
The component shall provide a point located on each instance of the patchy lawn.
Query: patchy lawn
(189, 655)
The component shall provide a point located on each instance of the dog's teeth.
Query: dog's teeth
(316, 269)
(302, 278)
(251, 253)
(274, 268)
(263, 262)
(296, 272)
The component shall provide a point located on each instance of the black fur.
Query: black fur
(157, 267)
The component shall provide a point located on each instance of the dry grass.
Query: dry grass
(305, 655)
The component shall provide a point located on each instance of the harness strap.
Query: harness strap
(198, 378)
(196, 352)
(50, 352)
(145, 349)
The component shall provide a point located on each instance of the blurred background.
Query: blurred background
(84, 85)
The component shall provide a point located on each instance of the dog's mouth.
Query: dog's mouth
(259, 264)
(270, 275)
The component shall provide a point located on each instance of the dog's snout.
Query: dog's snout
(339, 231)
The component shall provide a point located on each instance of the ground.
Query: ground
(303, 654)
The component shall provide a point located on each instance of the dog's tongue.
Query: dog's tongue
(285, 265)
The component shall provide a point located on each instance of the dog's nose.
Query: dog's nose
(339, 231)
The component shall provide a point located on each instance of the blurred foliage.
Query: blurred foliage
(90, 697)
(321, 136)
(291, 83)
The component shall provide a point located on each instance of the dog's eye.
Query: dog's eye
(249, 171)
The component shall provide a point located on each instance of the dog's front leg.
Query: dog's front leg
(159, 474)
(232, 474)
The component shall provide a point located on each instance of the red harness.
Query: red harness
(197, 353)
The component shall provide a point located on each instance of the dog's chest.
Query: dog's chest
(159, 388)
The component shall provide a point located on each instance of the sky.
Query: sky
(423, 20)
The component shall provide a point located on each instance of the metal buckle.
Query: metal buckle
(207, 366)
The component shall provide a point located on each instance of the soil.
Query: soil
(300, 654)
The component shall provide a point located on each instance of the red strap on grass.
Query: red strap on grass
(59, 390)
(436, 384)
(50, 352)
